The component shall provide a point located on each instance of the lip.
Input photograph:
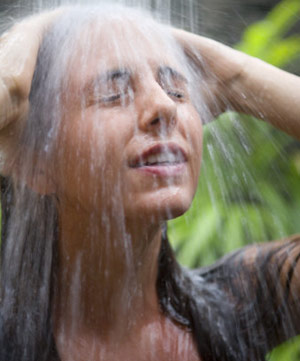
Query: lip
(164, 170)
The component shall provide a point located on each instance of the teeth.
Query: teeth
(161, 158)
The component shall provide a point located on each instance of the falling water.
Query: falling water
(78, 131)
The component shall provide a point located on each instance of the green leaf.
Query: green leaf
(288, 351)
(283, 52)
(284, 16)
(261, 38)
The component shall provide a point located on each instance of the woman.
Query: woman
(101, 144)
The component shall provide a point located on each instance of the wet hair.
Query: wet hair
(27, 288)
(29, 237)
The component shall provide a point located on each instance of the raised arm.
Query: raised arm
(246, 83)
(18, 52)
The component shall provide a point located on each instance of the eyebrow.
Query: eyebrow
(108, 76)
(171, 72)
(115, 74)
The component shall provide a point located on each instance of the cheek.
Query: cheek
(192, 130)
(197, 147)
(90, 157)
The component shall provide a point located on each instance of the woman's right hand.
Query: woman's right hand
(18, 53)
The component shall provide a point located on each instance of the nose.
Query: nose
(158, 110)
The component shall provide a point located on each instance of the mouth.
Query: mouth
(161, 159)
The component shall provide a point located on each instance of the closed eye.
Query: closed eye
(111, 98)
(107, 100)
(175, 94)
(110, 88)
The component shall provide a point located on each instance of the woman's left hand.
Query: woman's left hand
(237, 81)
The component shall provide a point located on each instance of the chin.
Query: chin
(163, 204)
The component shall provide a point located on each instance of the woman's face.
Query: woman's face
(130, 139)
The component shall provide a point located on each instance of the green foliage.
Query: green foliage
(265, 39)
(249, 187)
(289, 351)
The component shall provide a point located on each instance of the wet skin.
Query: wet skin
(117, 109)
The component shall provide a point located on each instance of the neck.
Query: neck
(106, 278)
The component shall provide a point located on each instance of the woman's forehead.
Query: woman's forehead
(124, 45)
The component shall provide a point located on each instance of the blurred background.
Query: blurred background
(249, 189)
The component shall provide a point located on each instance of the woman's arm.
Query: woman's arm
(18, 53)
(246, 83)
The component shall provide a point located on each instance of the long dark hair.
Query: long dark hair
(29, 229)
(27, 287)
(26, 330)
(29, 236)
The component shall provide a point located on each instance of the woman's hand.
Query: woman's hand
(221, 68)
(243, 83)
(18, 53)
